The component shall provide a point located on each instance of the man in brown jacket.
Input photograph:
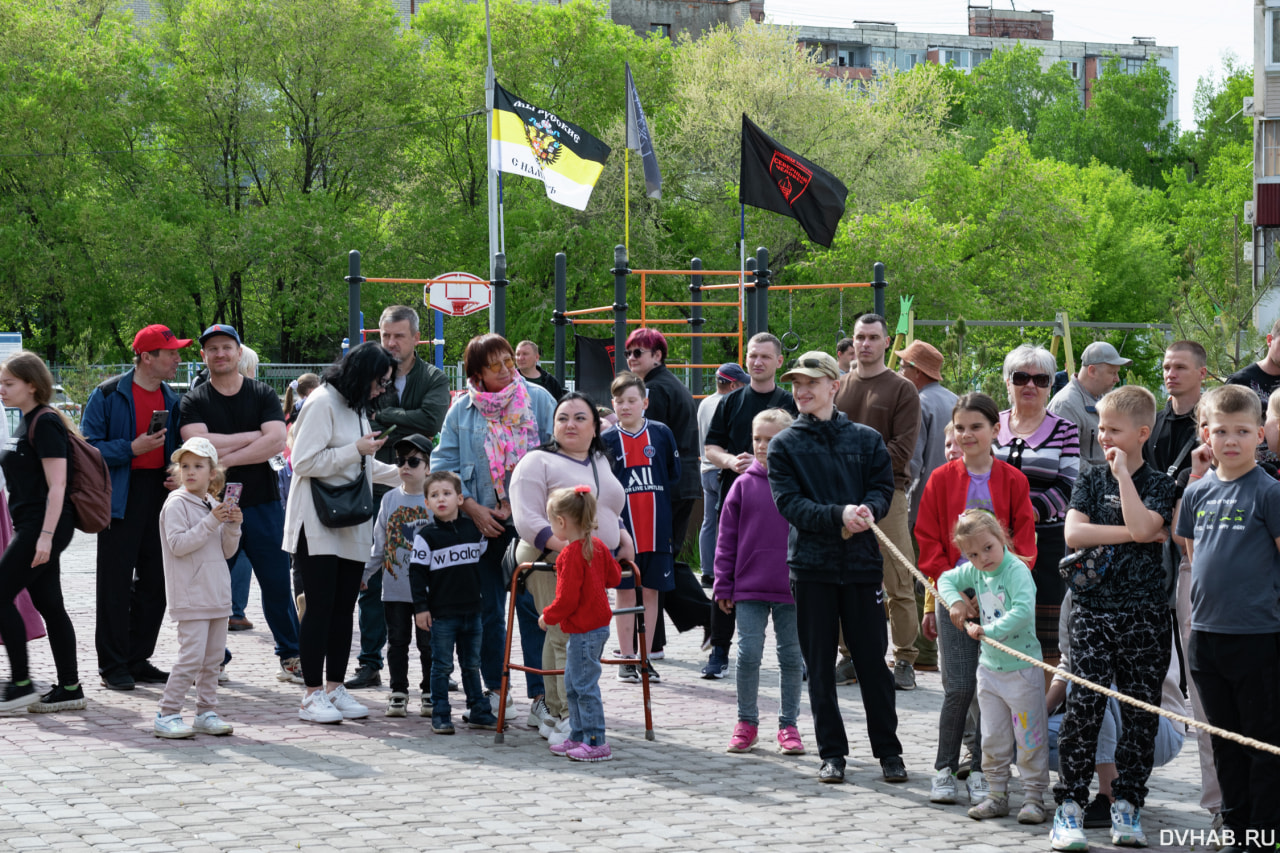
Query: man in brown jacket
(874, 395)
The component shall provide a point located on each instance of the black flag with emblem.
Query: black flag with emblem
(775, 178)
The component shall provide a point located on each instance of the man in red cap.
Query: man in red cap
(133, 421)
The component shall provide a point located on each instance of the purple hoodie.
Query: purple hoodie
(751, 546)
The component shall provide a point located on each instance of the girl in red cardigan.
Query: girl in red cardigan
(584, 570)
(977, 480)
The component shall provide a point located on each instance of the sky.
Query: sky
(1202, 32)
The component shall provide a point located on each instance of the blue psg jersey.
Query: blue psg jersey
(648, 466)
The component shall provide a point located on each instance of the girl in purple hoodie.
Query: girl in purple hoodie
(752, 579)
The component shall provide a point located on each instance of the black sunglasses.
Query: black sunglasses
(1042, 380)
(387, 382)
(636, 353)
(814, 364)
(411, 461)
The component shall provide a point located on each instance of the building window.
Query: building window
(1272, 24)
(663, 30)
(878, 57)
(980, 56)
(1134, 66)
(1075, 70)
(1270, 149)
(959, 58)
(911, 60)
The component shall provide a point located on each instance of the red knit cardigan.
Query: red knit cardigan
(581, 603)
(944, 499)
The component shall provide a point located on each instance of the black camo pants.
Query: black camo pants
(1129, 649)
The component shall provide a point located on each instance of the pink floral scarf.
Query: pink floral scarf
(513, 430)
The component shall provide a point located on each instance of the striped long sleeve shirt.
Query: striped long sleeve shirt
(1050, 459)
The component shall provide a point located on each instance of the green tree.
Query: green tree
(1012, 90)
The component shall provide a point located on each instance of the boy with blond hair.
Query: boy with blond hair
(1230, 521)
(1119, 628)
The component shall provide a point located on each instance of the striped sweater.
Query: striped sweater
(1050, 459)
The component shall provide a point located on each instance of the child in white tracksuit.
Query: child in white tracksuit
(198, 534)
(1010, 690)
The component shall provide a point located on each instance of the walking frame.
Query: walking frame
(629, 569)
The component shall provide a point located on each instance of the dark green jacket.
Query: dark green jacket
(421, 410)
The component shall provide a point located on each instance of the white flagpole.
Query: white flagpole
(495, 239)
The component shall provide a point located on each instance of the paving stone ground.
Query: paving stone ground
(99, 780)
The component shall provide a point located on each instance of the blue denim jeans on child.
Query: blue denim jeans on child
(463, 633)
(753, 616)
(582, 686)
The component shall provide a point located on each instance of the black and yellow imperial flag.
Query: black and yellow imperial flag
(775, 178)
(539, 144)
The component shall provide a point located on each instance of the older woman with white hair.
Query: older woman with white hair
(1046, 449)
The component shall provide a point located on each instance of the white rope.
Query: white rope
(1075, 679)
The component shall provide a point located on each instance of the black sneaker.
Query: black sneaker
(60, 699)
(832, 772)
(16, 697)
(846, 673)
(1097, 815)
(653, 673)
(146, 673)
(630, 673)
(117, 681)
(708, 581)
(366, 676)
(893, 768)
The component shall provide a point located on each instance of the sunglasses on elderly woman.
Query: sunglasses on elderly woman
(495, 366)
(1041, 380)
(411, 461)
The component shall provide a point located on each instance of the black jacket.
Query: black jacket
(444, 574)
(816, 469)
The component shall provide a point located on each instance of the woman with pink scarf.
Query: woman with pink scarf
(486, 432)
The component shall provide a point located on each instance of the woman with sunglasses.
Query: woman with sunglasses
(486, 432)
(1046, 449)
(334, 444)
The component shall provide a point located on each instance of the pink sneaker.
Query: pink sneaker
(789, 742)
(744, 737)
(586, 752)
(563, 747)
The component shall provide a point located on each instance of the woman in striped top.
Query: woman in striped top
(1046, 449)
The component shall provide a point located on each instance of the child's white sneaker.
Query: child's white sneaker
(397, 705)
(943, 789)
(979, 788)
(424, 705)
(548, 725)
(346, 704)
(560, 733)
(171, 726)
(1068, 828)
(209, 723)
(1126, 825)
(1032, 811)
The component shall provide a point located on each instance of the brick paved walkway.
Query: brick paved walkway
(99, 780)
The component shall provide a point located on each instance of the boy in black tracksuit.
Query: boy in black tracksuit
(829, 475)
(445, 581)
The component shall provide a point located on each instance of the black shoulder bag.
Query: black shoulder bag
(348, 504)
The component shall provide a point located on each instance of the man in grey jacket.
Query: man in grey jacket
(416, 402)
(1099, 372)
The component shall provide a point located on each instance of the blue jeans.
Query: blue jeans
(462, 633)
(493, 617)
(710, 519)
(582, 686)
(373, 623)
(753, 616)
(261, 533)
(241, 573)
(1168, 739)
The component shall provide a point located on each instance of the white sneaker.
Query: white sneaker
(317, 708)
(944, 787)
(223, 678)
(171, 726)
(537, 713)
(346, 704)
(397, 705)
(1068, 828)
(560, 733)
(979, 788)
(547, 726)
(424, 705)
(290, 671)
(209, 723)
(494, 701)
(1126, 825)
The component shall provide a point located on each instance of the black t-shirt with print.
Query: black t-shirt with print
(1136, 577)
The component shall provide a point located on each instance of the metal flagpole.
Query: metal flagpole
(626, 199)
(742, 260)
(495, 240)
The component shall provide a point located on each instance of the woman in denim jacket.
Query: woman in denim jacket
(486, 432)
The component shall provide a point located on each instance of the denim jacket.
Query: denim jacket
(461, 448)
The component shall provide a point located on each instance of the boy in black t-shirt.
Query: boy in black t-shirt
(1119, 629)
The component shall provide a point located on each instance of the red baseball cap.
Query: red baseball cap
(156, 337)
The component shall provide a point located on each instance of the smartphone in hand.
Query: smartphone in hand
(159, 418)
(231, 496)
(386, 432)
